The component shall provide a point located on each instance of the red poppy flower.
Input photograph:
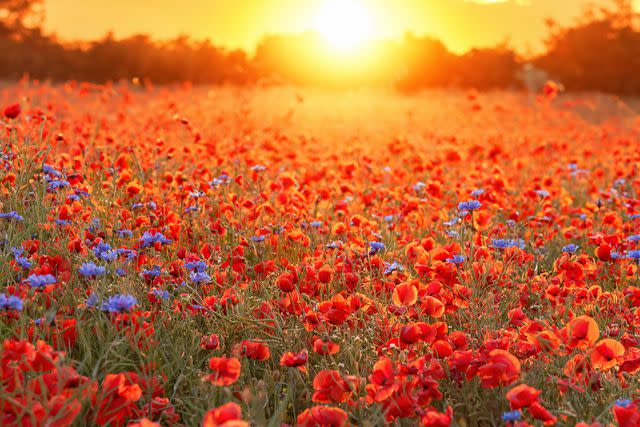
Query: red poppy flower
(210, 342)
(294, 360)
(253, 349)
(502, 368)
(116, 403)
(331, 386)
(323, 416)
(434, 418)
(145, 422)
(227, 415)
(12, 111)
(522, 396)
(324, 348)
(541, 413)
(226, 370)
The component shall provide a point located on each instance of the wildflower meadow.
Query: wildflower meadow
(200, 256)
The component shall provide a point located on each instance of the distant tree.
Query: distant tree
(601, 52)
(19, 17)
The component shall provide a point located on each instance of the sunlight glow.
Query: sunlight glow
(344, 24)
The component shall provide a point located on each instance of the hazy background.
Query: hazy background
(460, 24)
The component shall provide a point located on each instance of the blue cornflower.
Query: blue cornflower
(634, 216)
(92, 301)
(101, 247)
(388, 218)
(456, 259)
(80, 193)
(623, 402)
(109, 255)
(130, 254)
(452, 233)
(196, 194)
(316, 224)
(49, 170)
(11, 215)
(470, 205)
(148, 239)
(152, 206)
(191, 209)
(635, 255)
(10, 302)
(507, 243)
(17, 251)
(258, 238)
(394, 266)
(477, 192)
(89, 269)
(23, 262)
(57, 184)
(73, 197)
(201, 277)
(152, 272)
(41, 280)
(121, 271)
(119, 303)
(376, 247)
(196, 266)
(511, 416)
(616, 255)
(258, 168)
(162, 294)
(124, 233)
(137, 205)
(634, 238)
(542, 193)
(571, 248)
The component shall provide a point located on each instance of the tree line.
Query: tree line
(600, 51)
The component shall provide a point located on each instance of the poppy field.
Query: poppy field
(198, 256)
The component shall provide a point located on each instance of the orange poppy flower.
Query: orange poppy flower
(582, 332)
(606, 354)
(405, 294)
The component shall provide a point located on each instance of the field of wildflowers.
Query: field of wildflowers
(233, 257)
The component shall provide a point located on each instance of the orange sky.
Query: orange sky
(461, 24)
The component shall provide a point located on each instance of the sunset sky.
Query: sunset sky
(461, 24)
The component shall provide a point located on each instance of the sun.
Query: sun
(344, 24)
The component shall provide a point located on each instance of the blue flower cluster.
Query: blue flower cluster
(11, 215)
(507, 243)
(90, 269)
(119, 303)
(376, 247)
(40, 280)
(10, 302)
(469, 206)
(148, 239)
